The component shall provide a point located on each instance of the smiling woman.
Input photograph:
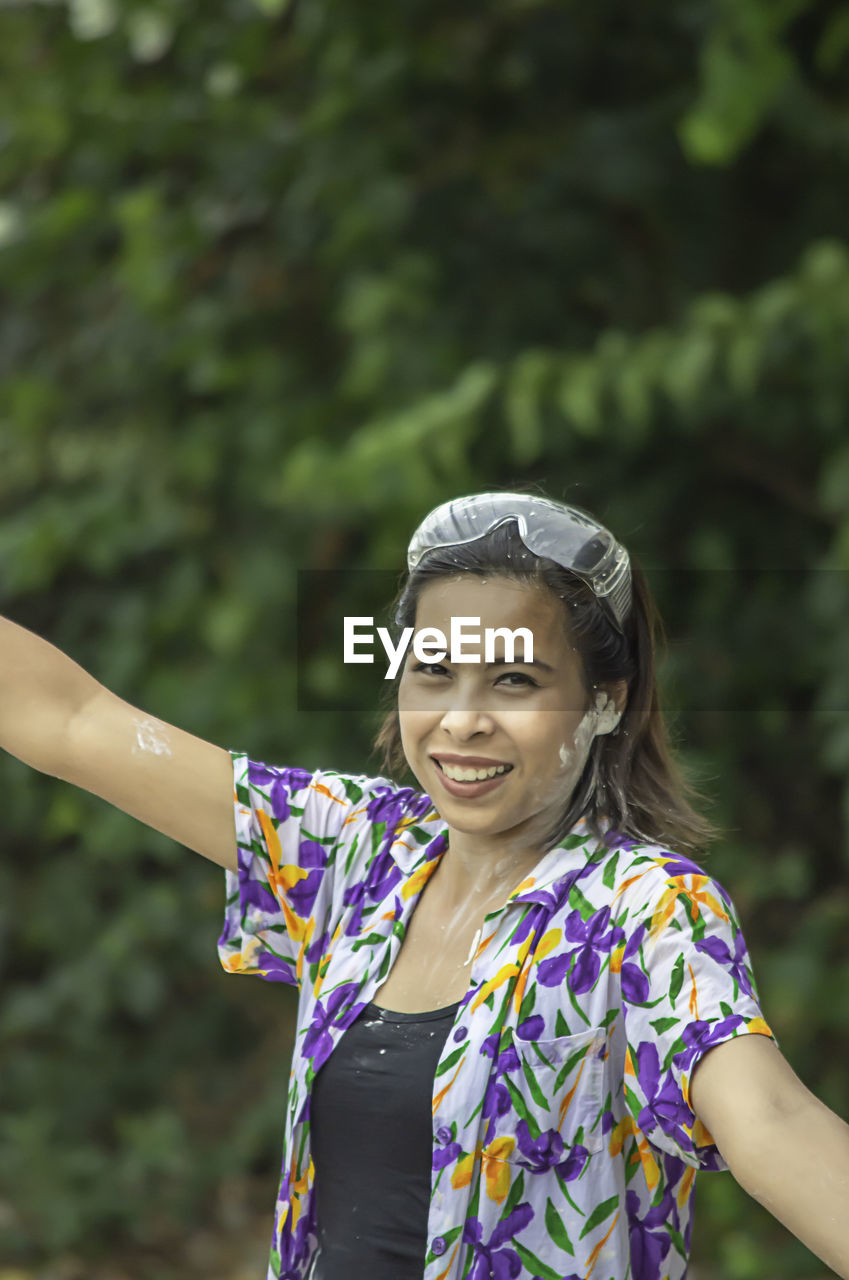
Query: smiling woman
(526, 1017)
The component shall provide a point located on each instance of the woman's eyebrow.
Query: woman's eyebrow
(520, 662)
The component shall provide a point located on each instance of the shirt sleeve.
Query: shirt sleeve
(687, 985)
(279, 901)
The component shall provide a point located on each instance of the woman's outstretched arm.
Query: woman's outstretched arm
(784, 1146)
(57, 718)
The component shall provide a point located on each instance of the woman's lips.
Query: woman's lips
(469, 790)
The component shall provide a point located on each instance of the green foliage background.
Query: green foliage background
(275, 279)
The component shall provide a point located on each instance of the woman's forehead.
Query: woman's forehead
(497, 601)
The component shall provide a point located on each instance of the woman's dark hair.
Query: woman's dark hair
(631, 777)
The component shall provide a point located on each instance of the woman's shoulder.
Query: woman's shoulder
(358, 798)
(643, 870)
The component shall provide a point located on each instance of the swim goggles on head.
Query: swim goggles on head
(551, 529)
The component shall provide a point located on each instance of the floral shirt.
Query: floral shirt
(564, 1144)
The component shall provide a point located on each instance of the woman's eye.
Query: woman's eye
(430, 668)
(520, 679)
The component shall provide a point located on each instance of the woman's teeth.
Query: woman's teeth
(472, 775)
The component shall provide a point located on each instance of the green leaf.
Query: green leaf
(556, 1228)
(599, 1214)
(664, 1024)
(451, 1060)
(537, 1094)
(533, 1264)
(514, 1195)
(579, 903)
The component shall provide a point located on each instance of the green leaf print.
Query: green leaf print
(569, 1065)
(561, 1026)
(565, 1192)
(533, 1264)
(420, 834)
(678, 1240)
(514, 1195)
(678, 1047)
(450, 1060)
(599, 1214)
(371, 940)
(528, 1005)
(352, 853)
(576, 1006)
(578, 902)
(609, 877)
(538, 1095)
(573, 841)
(663, 1024)
(677, 980)
(352, 791)
(556, 1229)
(519, 1104)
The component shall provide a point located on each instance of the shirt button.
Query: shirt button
(439, 1246)
(443, 1134)
(461, 1033)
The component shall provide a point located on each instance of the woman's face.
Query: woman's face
(536, 719)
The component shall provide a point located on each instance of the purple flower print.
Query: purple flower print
(664, 1106)
(616, 840)
(681, 866)
(283, 783)
(383, 875)
(293, 1244)
(254, 894)
(318, 946)
(649, 1240)
(491, 1260)
(700, 1036)
(390, 806)
(312, 857)
(736, 964)
(318, 1042)
(443, 1156)
(547, 1150)
(635, 984)
(532, 1028)
(703, 1034)
(585, 963)
(496, 1100)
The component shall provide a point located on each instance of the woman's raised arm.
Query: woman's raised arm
(57, 718)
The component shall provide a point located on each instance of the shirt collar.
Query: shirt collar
(411, 855)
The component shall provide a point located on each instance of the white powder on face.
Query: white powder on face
(606, 714)
(603, 717)
(151, 736)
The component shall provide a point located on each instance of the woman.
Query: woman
(525, 1016)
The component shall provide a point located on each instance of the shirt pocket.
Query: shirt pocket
(556, 1097)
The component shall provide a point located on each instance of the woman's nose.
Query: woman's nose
(465, 717)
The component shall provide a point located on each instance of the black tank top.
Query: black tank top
(371, 1129)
